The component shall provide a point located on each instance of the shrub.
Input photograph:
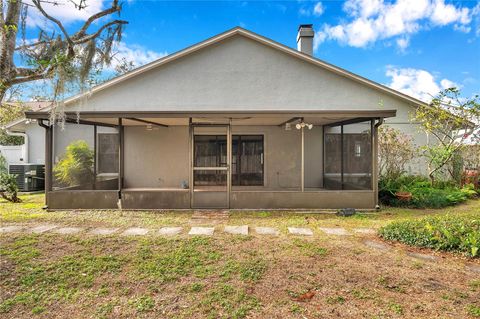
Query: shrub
(447, 232)
(424, 195)
(76, 166)
(395, 150)
(9, 188)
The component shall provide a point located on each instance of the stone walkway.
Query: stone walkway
(234, 230)
(242, 230)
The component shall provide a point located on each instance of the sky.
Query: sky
(415, 46)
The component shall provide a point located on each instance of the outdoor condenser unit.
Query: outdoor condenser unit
(30, 177)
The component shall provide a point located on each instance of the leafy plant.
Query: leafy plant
(448, 232)
(395, 150)
(76, 166)
(9, 188)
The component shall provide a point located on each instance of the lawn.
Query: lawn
(226, 276)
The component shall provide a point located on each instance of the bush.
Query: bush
(76, 166)
(9, 188)
(424, 195)
(448, 233)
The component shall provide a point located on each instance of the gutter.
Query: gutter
(25, 143)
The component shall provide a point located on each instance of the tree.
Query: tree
(395, 150)
(8, 113)
(56, 54)
(453, 121)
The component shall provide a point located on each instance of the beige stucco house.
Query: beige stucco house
(237, 121)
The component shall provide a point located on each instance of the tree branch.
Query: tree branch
(99, 31)
(114, 8)
(38, 5)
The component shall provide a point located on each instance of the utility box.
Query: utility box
(30, 177)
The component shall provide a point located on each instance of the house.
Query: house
(237, 121)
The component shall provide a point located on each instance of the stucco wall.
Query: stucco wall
(239, 74)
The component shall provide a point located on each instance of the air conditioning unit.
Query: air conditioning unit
(30, 177)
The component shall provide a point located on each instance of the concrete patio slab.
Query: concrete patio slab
(201, 231)
(135, 231)
(103, 231)
(335, 231)
(267, 231)
(237, 230)
(367, 231)
(42, 229)
(67, 230)
(11, 229)
(170, 231)
(300, 231)
(423, 257)
(376, 245)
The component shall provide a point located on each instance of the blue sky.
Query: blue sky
(416, 46)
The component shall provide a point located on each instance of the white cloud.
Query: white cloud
(318, 9)
(373, 20)
(135, 53)
(65, 11)
(417, 83)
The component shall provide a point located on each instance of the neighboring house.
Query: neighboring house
(237, 121)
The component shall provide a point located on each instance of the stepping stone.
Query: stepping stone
(237, 230)
(10, 229)
(423, 257)
(170, 231)
(135, 231)
(376, 245)
(473, 268)
(103, 231)
(202, 231)
(300, 231)
(42, 229)
(335, 231)
(367, 231)
(67, 230)
(267, 231)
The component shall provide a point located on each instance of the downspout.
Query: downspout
(25, 142)
(375, 160)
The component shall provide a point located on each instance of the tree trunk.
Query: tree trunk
(8, 37)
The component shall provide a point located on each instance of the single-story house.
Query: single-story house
(236, 121)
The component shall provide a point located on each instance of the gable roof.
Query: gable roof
(256, 37)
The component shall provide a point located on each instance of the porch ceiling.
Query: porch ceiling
(238, 117)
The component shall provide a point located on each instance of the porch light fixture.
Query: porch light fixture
(301, 125)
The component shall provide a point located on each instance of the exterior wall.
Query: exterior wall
(83, 199)
(36, 143)
(239, 74)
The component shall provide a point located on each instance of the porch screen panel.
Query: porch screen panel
(247, 160)
(357, 156)
(210, 151)
(333, 158)
(73, 157)
(107, 153)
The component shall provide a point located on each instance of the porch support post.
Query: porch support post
(342, 155)
(190, 160)
(94, 156)
(375, 168)
(121, 151)
(229, 161)
(48, 158)
(302, 186)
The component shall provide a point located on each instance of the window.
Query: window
(107, 153)
(247, 160)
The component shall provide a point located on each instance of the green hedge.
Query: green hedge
(447, 232)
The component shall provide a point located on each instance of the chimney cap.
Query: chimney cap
(305, 26)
